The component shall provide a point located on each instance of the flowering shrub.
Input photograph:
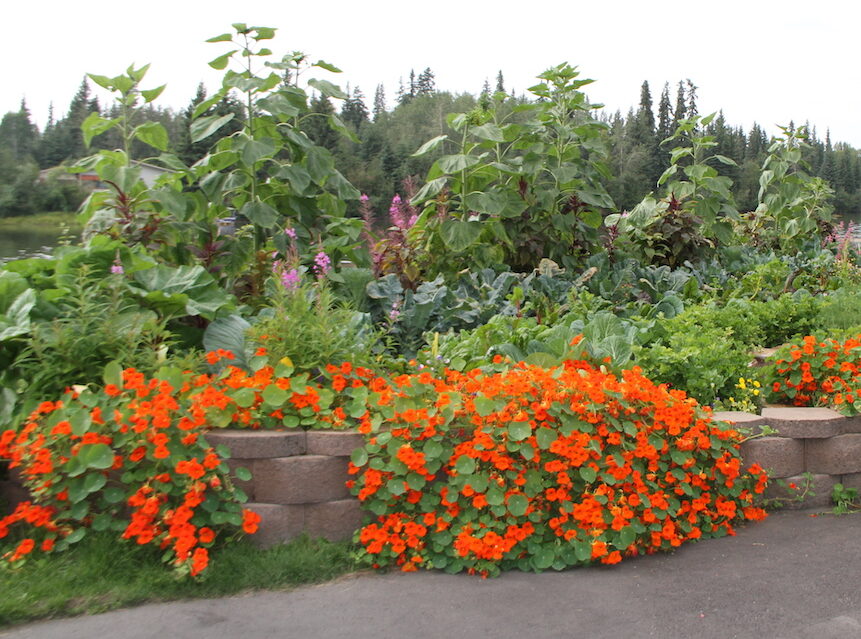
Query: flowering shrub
(815, 372)
(129, 458)
(535, 468)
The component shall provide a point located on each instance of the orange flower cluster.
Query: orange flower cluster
(826, 373)
(498, 469)
(133, 452)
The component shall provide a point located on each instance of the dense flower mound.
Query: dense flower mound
(128, 458)
(824, 373)
(535, 468)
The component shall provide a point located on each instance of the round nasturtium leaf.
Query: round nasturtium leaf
(517, 505)
(518, 431)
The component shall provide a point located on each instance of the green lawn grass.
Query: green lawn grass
(102, 573)
(49, 220)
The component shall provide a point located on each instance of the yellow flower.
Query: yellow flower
(757, 384)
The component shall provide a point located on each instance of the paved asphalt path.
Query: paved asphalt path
(791, 576)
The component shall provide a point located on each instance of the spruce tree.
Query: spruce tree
(354, 110)
(379, 102)
(665, 122)
(425, 84)
(500, 82)
(681, 109)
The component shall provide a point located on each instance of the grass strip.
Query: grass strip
(102, 573)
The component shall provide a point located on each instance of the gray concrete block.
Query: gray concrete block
(781, 456)
(819, 495)
(301, 480)
(334, 520)
(838, 455)
(337, 443)
(259, 444)
(804, 423)
(278, 523)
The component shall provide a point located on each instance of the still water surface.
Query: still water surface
(27, 242)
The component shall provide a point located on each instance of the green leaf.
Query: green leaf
(76, 536)
(545, 437)
(151, 94)
(260, 214)
(459, 235)
(517, 504)
(102, 80)
(224, 37)
(725, 160)
(326, 65)
(94, 482)
(544, 558)
(454, 163)
(465, 465)
(626, 537)
(274, 396)
(255, 150)
(228, 333)
(588, 474)
(263, 33)
(484, 406)
(221, 61)
(94, 125)
(430, 145)
(518, 431)
(489, 132)
(113, 494)
(99, 456)
(152, 133)
(396, 486)
(429, 190)
(113, 374)
(359, 457)
(327, 89)
(245, 397)
(242, 474)
(204, 127)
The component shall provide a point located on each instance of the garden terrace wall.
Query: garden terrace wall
(298, 477)
(298, 482)
(818, 441)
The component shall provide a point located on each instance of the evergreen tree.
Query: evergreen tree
(644, 125)
(354, 110)
(827, 171)
(316, 127)
(426, 84)
(665, 122)
(379, 102)
(691, 108)
(500, 82)
(190, 152)
(681, 109)
(18, 134)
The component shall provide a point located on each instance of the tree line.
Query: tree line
(379, 158)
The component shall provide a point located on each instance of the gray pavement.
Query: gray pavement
(792, 576)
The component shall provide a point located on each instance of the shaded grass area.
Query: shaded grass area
(51, 220)
(102, 573)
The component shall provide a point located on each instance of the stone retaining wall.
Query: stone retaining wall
(298, 481)
(818, 441)
(298, 478)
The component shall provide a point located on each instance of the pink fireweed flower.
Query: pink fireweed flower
(117, 266)
(322, 264)
(290, 232)
(290, 279)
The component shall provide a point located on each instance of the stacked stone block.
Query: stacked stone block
(298, 482)
(818, 441)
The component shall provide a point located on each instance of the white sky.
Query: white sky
(760, 60)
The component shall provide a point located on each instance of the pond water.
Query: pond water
(19, 243)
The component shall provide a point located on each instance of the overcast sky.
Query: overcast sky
(759, 60)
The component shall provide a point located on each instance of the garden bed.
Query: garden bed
(298, 477)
